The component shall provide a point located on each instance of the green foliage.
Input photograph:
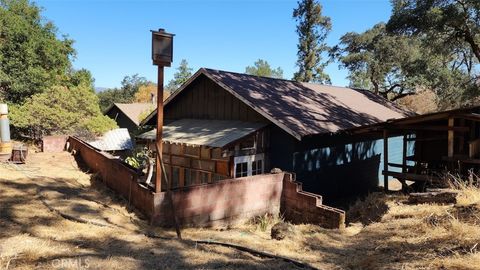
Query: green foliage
(139, 158)
(262, 68)
(60, 110)
(99, 124)
(453, 22)
(265, 221)
(312, 30)
(124, 94)
(32, 58)
(450, 29)
(146, 113)
(81, 77)
(390, 65)
(183, 73)
(396, 65)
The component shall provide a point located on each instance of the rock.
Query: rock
(437, 196)
(281, 230)
(276, 170)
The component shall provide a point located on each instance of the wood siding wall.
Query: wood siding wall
(206, 100)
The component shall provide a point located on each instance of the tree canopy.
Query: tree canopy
(262, 68)
(124, 94)
(46, 95)
(426, 45)
(181, 75)
(32, 58)
(389, 65)
(312, 30)
(61, 110)
(453, 22)
(147, 92)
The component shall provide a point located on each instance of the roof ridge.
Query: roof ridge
(312, 84)
(282, 79)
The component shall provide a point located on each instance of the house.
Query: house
(222, 125)
(128, 115)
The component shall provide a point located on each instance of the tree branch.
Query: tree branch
(399, 96)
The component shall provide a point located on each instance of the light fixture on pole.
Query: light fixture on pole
(162, 56)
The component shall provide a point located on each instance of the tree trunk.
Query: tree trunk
(375, 84)
(471, 41)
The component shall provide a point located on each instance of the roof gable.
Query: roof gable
(302, 109)
(132, 111)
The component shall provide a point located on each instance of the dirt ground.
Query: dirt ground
(39, 199)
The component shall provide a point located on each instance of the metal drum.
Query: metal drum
(5, 147)
(3, 108)
(5, 143)
(4, 128)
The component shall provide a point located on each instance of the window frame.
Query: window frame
(249, 160)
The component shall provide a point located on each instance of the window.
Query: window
(241, 169)
(218, 177)
(191, 177)
(175, 177)
(204, 176)
(189, 180)
(257, 167)
(249, 165)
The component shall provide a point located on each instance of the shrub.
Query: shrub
(60, 110)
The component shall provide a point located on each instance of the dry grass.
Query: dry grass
(384, 232)
(32, 237)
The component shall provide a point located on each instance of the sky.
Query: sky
(113, 39)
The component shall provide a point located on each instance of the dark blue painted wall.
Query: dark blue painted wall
(341, 168)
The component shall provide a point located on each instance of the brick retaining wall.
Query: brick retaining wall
(224, 202)
(54, 144)
(300, 206)
(115, 175)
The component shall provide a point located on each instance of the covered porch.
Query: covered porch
(197, 151)
(443, 142)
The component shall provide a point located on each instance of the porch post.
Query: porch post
(451, 134)
(385, 159)
(404, 153)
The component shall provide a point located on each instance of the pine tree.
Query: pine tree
(183, 73)
(263, 68)
(312, 30)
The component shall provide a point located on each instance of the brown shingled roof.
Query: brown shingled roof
(303, 109)
(133, 110)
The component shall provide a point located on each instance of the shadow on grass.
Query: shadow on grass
(22, 213)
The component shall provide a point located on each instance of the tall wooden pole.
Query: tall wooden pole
(158, 175)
